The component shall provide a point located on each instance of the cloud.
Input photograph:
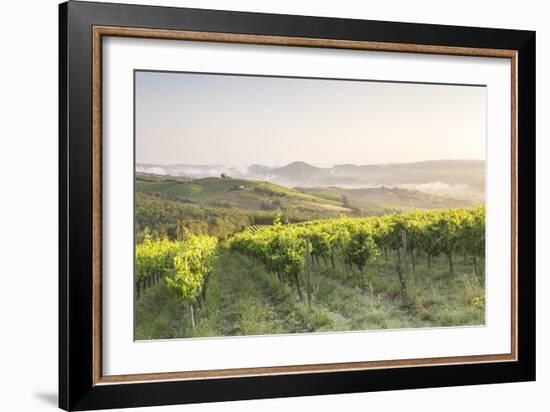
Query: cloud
(154, 170)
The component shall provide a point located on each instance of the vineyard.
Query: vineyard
(188, 264)
(281, 248)
(397, 270)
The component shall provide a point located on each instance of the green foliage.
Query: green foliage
(357, 242)
(190, 261)
(193, 263)
(280, 248)
(161, 217)
(154, 257)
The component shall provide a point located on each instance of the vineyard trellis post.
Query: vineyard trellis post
(307, 271)
(192, 316)
(410, 268)
(403, 272)
(405, 242)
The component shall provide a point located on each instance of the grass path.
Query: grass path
(256, 303)
(246, 307)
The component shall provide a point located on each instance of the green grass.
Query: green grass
(434, 297)
(299, 195)
(184, 189)
(158, 314)
(240, 193)
(197, 190)
(243, 299)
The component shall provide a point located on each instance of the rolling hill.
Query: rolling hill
(240, 193)
(262, 195)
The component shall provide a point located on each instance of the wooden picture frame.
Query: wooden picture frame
(82, 384)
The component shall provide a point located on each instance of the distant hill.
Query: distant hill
(463, 179)
(457, 178)
(262, 195)
(297, 171)
(389, 198)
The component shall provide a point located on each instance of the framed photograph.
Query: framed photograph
(256, 205)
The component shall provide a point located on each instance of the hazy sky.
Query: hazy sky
(244, 120)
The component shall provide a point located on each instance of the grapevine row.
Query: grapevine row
(186, 266)
(358, 241)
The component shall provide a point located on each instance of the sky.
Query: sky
(212, 119)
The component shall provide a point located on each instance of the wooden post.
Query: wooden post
(450, 258)
(307, 271)
(405, 255)
(406, 267)
(204, 286)
(399, 271)
(192, 316)
(297, 282)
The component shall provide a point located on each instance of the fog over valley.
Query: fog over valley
(462, 179)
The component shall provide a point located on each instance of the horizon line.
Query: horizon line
(307, 163)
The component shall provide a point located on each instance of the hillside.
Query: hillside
(238, 193)
(261, 195)
(389, 198)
